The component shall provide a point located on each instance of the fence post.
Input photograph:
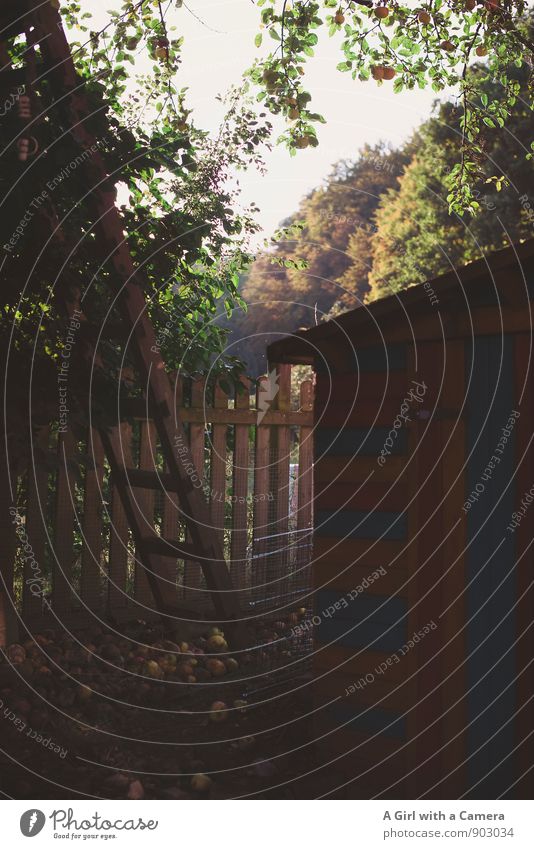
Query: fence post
(305, 484)
(262, 467)
(62, 593)
(281, 462)
(36, 516)
(145, 499)
(92, 526)
(218, 467)
(192, 573)
(240, 495)
(118, 536)
(9, 623)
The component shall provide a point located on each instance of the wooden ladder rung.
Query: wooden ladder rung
(172, 548)
(115, 331)
(146, 479)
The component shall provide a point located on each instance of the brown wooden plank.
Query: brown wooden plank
(262, 476)
(9, 624)
(136, 408)
(305, 493)
(37, 512)
(352, 664)
(348, 470)
(240, 504)
(277, 565)
(62, 595)
(173, 548)
(305, 473)
(148, 479)
(91, 582)
(145, 500)
(454, 324)
(119, 535)
(158, 571)
(171, 524)
(193, 574)
(218, 468)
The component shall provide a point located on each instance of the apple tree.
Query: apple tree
(404, 45)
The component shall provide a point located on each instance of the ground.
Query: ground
(96, 714)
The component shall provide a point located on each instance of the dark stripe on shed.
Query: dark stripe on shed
(367, 442)
(372, 358)
(372, 720)
(379, 608)
(355, 524)
(492, 725)
(376, 622)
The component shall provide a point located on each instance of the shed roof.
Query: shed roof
(506, 273)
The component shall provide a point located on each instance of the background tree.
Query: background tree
(382, 223)
(299, 279)
(416, 237)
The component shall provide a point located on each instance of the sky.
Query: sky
(220, 46)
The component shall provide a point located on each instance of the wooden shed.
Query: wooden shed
(423, 558)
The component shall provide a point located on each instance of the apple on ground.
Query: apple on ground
(201, 783)
(219, 712)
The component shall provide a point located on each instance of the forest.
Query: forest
(381, 223)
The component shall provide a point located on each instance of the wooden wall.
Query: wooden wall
(450, 714)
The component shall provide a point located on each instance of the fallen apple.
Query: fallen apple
(152, 669)
(201, 783)
(16, 654)
(216, 667)
(184, 670)
(218, 712)
(84, 693)
(217, 643)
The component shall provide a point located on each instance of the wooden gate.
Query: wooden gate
(68, 554)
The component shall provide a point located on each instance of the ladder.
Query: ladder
(155, 552)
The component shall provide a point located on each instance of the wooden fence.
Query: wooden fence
(68, 553)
